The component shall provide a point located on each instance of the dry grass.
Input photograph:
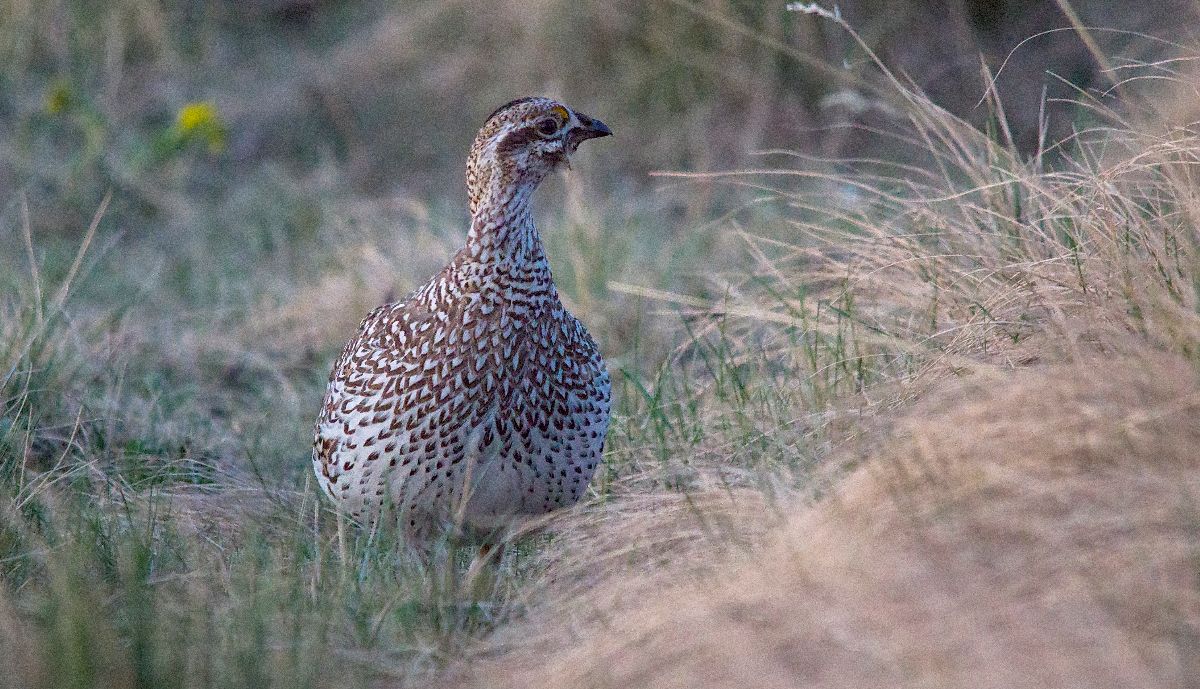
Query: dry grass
(1034, 525)
(1037, 529)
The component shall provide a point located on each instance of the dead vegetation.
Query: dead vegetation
(1024, 513)
(1036, 529)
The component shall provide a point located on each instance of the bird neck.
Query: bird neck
(502, 228)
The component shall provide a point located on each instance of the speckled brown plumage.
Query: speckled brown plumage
(478, 398)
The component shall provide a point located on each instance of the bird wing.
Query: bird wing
(395, 418)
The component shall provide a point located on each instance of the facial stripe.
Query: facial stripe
(518, 138)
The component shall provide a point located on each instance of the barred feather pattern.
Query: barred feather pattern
(478, 398)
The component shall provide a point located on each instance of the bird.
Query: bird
(478, 400)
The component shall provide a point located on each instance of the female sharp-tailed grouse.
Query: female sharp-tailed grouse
(478, 398)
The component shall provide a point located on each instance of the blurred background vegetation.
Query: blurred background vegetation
(199, 199)
(361, 97)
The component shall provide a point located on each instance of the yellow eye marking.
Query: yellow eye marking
(562, 113)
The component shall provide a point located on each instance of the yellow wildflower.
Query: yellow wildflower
(201, 121)
(200, 115)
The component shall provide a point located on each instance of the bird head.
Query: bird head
(524, 141)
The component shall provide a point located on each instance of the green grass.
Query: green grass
(161, 526)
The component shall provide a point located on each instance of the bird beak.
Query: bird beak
(590, 128)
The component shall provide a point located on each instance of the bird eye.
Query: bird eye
(548, 126)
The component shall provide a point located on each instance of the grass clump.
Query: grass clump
(1021, 508)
